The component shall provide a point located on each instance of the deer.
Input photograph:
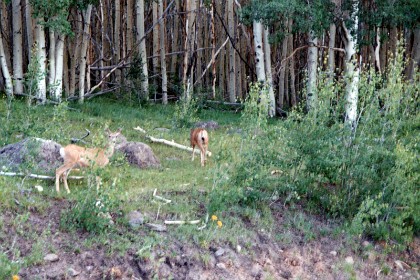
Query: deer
(80, 157)
(200, 138)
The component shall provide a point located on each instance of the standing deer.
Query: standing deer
(199, 137)
(78, 157)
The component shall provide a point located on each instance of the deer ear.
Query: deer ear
(119, 130)
(107, 130)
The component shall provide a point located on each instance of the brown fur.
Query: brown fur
(200, 138)
(79, 157)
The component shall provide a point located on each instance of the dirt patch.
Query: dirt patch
(264, 256)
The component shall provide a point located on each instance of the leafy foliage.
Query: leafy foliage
(369, 175)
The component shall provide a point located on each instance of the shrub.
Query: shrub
(368, 175)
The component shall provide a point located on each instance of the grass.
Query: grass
(129, 188)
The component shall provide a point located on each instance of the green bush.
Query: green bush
(368, 175)
(90, 212)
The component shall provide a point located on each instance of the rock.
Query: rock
(238, 248)
(221, 265)
(89, 268)
(115, 273)
(208, 125)
(286, 274)
(156, 227)
(51, 258)
(349, 260)
(34, 155)
(164, 271)
(72, 272)
(139, 154)
(219, 252)
(256, 271)
(135, 219)
(333, 253)
(55, 274)
(366, 243)
(401, 265)
(371, 256)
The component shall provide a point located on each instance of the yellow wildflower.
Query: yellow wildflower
(15, 277)
(219, 224)
(213, 217)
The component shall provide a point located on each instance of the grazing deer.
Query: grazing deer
(199, 137)
(78, 157)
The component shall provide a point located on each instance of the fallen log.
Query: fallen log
(169, 143)
(36, 176)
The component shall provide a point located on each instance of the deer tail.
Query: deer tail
(62, 152)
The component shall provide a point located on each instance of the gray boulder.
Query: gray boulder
(31, 154)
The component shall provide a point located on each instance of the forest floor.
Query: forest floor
(280, 241)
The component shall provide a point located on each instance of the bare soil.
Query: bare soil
(264, 257)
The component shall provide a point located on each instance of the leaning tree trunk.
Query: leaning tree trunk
(269, 75)
(141, 41)
(312, 75)
(352, 71)
(162, 56)
(83, 53)
(17, 47)
(39, 39)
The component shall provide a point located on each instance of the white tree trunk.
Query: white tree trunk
(259, 51)
(17, 47)
(4, 68)
(312, 69)
(162, 56)
(59, 67)
(51, 60)
(142, 45)
(39, 39)
(213, 49)
(232, 72)
(83, 53)
(267, 52)
(352, 71)
(377, 49)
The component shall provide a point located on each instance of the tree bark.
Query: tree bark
(117, 39)
(331, 53)
(352, 71)
(162, 56)
(293, 99)
(415, 55)
(39, 39)
(142, 48)
(17, 47)
(232, 72)
(29, 27)
(3, 62)
(282, 74)
(83, 53)
(269, 75)
(311, 90)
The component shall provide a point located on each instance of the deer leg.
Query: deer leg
(202, 155)
(193, 146)
(60, 173)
